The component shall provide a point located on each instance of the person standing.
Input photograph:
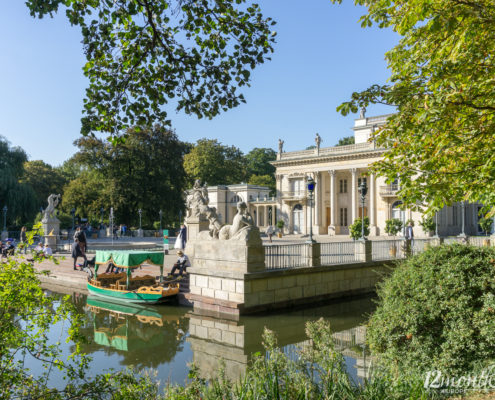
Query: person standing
(269, 231)
(183, 235)
(23, 239)
(409, 234)
(79, 246)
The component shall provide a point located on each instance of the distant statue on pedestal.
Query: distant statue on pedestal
(280, 146)
(362, 113)
(318, 141)
(49, 213)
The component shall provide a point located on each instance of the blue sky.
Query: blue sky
(322, 55)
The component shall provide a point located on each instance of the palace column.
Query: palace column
(353, 196)
(317, 204)
(266, 215)
(333, 204)
(372, 201)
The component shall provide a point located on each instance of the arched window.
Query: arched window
(236, 199)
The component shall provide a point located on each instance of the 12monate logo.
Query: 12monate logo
(485, 380)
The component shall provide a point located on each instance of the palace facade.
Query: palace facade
(337, 172)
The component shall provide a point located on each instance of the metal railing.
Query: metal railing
(388, 190)
(290, 193)
(286, 256)
(335, 253)
(352, 148)
(387, 249)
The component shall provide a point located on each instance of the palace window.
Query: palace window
(343, 217)
(298, 187)
(343, 186)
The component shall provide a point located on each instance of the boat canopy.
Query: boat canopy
(129, 258)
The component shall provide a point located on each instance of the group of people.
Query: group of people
(7, 249)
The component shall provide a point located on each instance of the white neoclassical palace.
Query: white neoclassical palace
(338, 172)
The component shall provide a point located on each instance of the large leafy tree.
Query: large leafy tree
(258, 161)
(215, 164)
(44, 179)
(19, 197)
(441, 141)
(142, 53)
(143, 172)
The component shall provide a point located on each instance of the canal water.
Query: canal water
(168, 338)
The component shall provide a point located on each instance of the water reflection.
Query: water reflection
(166, 338)
(144, 336)
(214, 338)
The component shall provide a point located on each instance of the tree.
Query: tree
(142, 53)
(17, 196)
(44, 180)
(264, 180)
(356, 229)
(258, 161)
(87, 194)
(440, 142)
(215, 164)
(71, 169)
(143, 172)
(346, 141)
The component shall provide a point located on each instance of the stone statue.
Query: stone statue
(197, 201)
(362, 113)
(197, 206)
(318, 141)
(49, 212)
(241, 225)
(280, 146)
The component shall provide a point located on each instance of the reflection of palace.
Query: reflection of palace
(145, 336)
(213, 338)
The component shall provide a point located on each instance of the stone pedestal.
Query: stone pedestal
(51, 230)
(195, 225)
(363, 250)
(313, 255)
(4, 235)
(140, 233)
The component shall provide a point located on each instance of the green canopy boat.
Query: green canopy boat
(124, 287)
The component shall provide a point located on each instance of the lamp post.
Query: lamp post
(160, 213)
(180, 217)
(73, 213)
(363, 190)
(110, 217)
(5, 218)
(140, 212)
(436, 224)
(102, 211)
(311, 188)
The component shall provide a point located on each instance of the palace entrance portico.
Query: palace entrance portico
(336, 200)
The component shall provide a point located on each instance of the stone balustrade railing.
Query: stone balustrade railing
(327, 151)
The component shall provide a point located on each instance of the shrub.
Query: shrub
(280, 224)
(355, 229)
(437, 311)
(428, 224)
(393, 226)
(486, 224)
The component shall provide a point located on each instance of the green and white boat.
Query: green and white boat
(123, 287)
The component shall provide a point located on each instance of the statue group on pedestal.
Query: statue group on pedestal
(197, 206)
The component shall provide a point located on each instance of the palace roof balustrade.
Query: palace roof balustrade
(389, 190)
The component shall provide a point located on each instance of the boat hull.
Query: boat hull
(133, 296)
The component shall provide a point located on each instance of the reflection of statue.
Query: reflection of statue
(53, 201)
(241, 225)
(197, 205)
(362, 113)
(318, 141)
(280, 146)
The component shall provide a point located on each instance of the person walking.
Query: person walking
(409, 235)
(180, 241)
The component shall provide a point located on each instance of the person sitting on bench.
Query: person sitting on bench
(181, 264)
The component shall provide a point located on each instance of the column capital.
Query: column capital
(353, 171)
(332, 172)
